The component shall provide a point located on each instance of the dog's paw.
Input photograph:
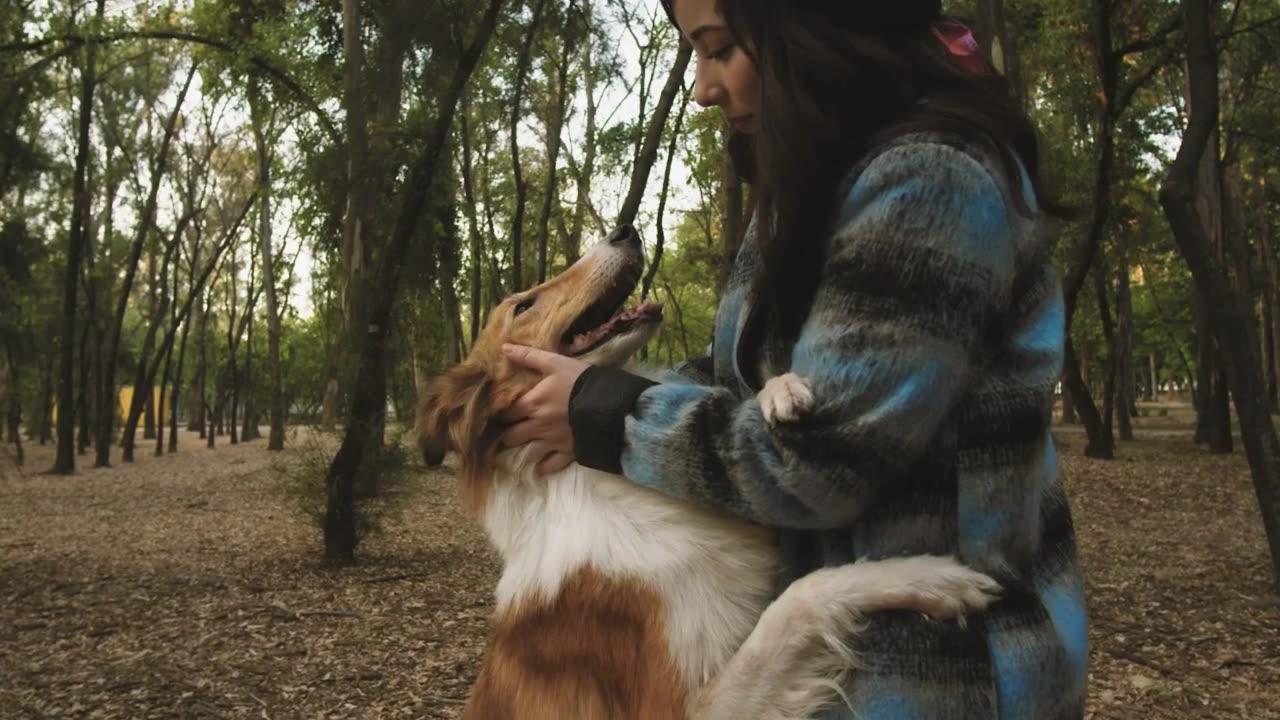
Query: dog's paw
(785, 398)
(939, 587)
(944, 589)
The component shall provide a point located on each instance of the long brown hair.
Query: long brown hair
(836, 79)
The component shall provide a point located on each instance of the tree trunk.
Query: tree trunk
(45, 426)
(1068, 408)
(108, 401)
(15, 406)
(1126, 368)
(65, 462)
(1209, 208)
(369, 390)
(1230, 315)
(1153, 388)
(653, 136)
(1269, 353)
(354, 243)
(1267, 246)
(275, 440)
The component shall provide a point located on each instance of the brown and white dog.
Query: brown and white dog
(616, 601)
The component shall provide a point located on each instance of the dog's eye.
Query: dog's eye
(524, 305)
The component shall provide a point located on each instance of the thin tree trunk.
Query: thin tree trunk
(108, 401)
(177, 388)
(659, 230)
(143, 391)
(160, 402)
(199, 388)
(653, 136)
(732, 221)
(149, 367)
(1267, 249)
(523, 62)
(15, 406)
(1204, 372)
(82, 397)
(1003, 44)
(554, 125)
(1126, 373)
(1068, 408)
(573, 244)
(473, 222)
(275, 440)
(1230, 315)
(65, 463)
(1109, 391)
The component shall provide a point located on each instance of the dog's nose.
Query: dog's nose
(624, 235)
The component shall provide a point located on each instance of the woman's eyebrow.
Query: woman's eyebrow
(703, 30)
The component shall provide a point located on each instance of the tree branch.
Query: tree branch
(74, 40)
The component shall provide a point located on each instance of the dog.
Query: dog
(617, 602)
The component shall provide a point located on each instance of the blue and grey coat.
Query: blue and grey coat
(933, 346)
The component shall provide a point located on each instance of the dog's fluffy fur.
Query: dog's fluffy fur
(618, 602)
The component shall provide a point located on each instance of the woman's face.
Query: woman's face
(724, 77)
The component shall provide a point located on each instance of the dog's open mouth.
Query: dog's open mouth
(607, 318)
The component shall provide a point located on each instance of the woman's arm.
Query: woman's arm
(919, 269)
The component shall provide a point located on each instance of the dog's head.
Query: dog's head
(579, 313)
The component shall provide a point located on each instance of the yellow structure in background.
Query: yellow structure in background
(125, 397)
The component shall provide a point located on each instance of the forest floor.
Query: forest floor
(191, 586)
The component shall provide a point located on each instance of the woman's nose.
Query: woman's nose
(706, 91)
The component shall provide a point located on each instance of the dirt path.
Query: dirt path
(189, 586)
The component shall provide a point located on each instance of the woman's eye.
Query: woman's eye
(524, 305)
(722, 53)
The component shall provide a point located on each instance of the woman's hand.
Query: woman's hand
(541, 415)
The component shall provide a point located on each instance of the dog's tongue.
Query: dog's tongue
(584, 341)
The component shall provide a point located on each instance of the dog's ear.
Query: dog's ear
(440, 404)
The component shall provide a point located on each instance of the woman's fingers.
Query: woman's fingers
(535, 359)
(520, 433)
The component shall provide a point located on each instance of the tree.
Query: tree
(1226, 307)
(339, 526)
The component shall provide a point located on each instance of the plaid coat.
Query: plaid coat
(933, 345)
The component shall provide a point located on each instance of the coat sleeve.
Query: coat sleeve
(918, 270)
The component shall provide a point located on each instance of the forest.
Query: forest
(242, 235)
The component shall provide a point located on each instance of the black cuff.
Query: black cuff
(599, 404)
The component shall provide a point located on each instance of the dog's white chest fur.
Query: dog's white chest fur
(714, 574)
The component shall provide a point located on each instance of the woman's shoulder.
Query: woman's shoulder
(947, 160)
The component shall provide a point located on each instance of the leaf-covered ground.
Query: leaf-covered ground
(190, 586)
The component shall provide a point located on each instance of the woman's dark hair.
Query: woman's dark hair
(836, 79)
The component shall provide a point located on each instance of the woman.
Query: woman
(897, 262)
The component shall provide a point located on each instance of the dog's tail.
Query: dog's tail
(795, 660)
